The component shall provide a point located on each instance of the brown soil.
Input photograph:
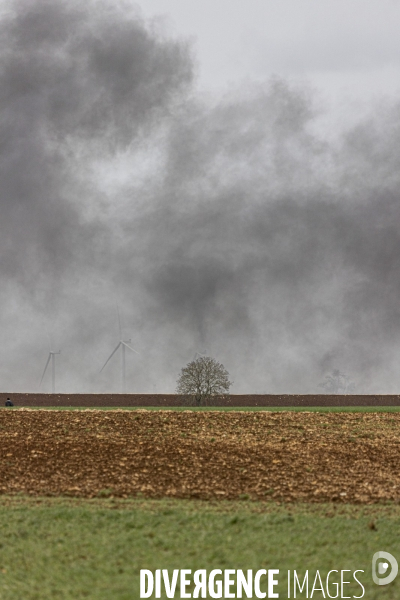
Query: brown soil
(176, 400)
(285, 456)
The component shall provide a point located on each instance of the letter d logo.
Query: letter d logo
(383, 567)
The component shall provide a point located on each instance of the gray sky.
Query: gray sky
(345, 48)
(227, 172)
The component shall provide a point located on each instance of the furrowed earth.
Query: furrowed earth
(284, 456)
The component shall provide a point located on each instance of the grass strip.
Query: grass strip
(318, 409)
(93, 549)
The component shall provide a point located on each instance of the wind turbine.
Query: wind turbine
(200, 354)
(123, 344)
(52, 358)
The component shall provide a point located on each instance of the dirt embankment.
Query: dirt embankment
(211, 455)
(165, 400)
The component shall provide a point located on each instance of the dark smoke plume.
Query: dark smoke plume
(230, 226)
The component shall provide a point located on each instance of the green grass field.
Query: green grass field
(76, 549)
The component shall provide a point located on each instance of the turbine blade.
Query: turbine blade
(110, 357)
(119, 323)
(44, 372)
(49, 338)
(130, 347)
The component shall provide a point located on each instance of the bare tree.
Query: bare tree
(203, 378)
(337, 383)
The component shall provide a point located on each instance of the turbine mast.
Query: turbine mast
(51, 358)
(123, 370)
(53, 373)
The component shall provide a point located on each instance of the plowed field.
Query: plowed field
(211, 455)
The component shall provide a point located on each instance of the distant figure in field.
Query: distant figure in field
(9, 403)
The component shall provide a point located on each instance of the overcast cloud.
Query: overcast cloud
(218, 174)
